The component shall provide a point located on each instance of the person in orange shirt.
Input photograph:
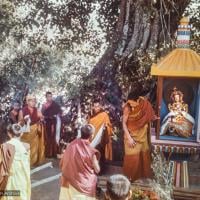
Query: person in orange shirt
(137, 114)
(103, 130)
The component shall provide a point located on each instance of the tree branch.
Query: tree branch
(125, 30)
(153, 43)
(136, 32)
(99, 68)
(147, 27)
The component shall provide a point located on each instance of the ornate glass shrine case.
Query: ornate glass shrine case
(178, 105)
(177, 131)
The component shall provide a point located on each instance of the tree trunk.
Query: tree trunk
(142, 33)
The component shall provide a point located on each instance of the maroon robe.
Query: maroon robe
(49, 111)
(77, 167)
(33, 115)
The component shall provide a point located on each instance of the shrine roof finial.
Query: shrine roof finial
(183, 33)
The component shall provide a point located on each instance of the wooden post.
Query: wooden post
(158, 104)
(198, 122)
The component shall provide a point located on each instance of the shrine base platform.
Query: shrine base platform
(191, 193)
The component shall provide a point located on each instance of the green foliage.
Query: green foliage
(53, 45)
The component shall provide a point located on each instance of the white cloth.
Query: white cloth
(174, 114)
(97, 139)
(58, 127)
(26, 127)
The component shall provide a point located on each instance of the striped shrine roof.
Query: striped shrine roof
(182, 61)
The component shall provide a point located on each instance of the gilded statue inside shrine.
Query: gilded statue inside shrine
(178, 122)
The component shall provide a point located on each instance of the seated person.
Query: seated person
(178, 122)
(118, 188)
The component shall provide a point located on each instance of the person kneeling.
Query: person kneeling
(118, 188)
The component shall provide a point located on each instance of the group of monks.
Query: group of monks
(79, 174)
(137, 113)
(42, 126)
(40, 131)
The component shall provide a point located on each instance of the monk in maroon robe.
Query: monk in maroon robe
(79, 167)
(34, 136)
(50, 110)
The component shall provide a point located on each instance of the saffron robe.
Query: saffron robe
(137, 160)
(35, 137)
(97, 121)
